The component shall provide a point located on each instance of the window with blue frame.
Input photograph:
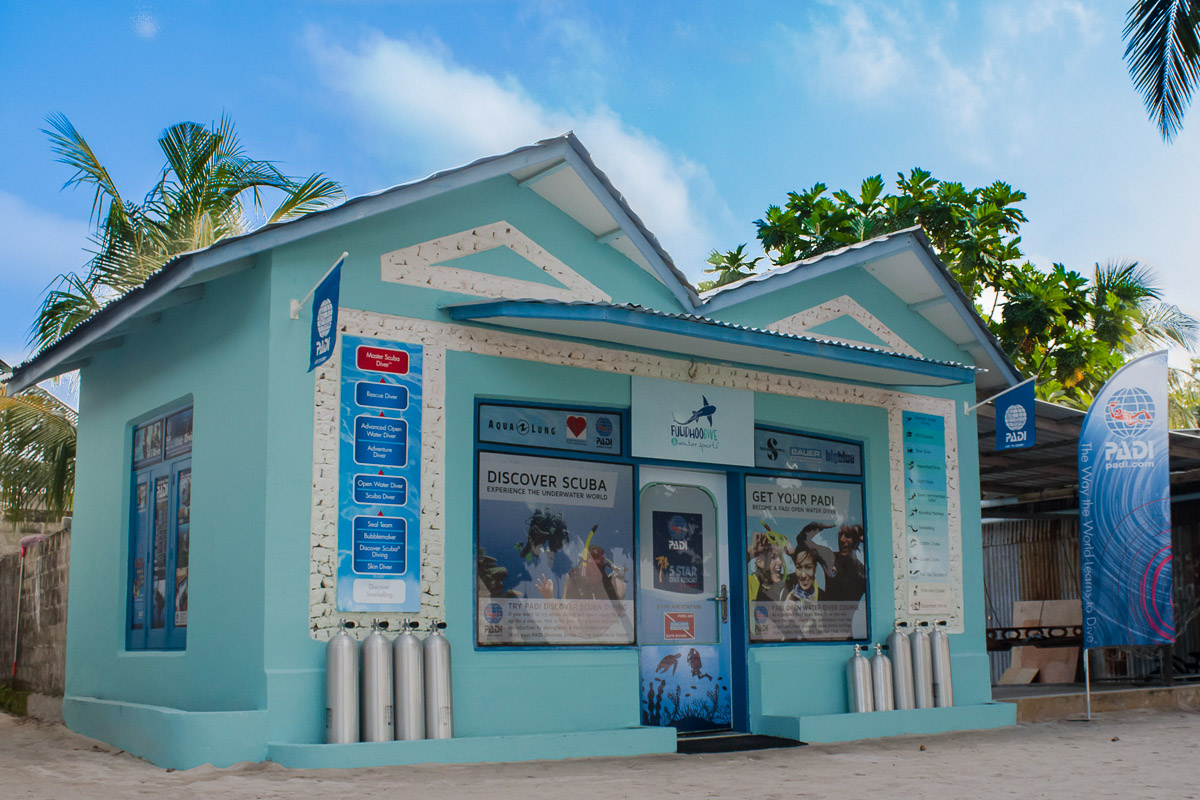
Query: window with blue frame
(159, 532)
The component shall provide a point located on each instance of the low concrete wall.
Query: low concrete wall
(1051, 707)
(41, 650)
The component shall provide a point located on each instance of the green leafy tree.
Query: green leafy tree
(204, 192)
(37, 453)
(1069, 331)
(730, 266)
(1163, 53)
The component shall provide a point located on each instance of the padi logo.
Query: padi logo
(1127, 416)
(677, 533)
(685, 429)
(493, 613)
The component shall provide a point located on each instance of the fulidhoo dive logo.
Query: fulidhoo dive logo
(1015, 417)
(695, 435)
(324, 317)
(1129, 412)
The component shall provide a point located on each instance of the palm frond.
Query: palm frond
(1163, 54)
(315, 193)
(74, 151)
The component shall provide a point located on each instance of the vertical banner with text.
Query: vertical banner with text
(379, 479)
(1125, 510)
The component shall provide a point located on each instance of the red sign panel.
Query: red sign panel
(381, 359)
(679, 625)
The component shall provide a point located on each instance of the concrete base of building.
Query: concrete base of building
(1070, 701)
(170, 737)
(850, 727)
(44, 707)
(474, 749)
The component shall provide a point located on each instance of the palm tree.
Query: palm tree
(37, 452)
(729, 266)
(1163, 53)
(200, 198)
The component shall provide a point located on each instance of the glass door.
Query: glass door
(683, 600)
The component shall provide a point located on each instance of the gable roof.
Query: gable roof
(906, 263)
(560, 169)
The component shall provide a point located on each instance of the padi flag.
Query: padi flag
(1016, 424)
(1125, 510)
(324, 318)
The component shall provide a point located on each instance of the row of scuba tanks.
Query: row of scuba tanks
(401, 691)
(916, 676)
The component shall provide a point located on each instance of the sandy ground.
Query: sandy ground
(1120, 755)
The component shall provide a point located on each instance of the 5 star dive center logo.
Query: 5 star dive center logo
(691, 429)
(1128, 415)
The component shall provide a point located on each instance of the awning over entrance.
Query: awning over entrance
(690, 336)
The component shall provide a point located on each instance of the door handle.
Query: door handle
(722, 597)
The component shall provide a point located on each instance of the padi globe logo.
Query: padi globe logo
(493, 613)
(1127, 416)
(1015, 417)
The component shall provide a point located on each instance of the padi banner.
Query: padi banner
(554, 556)
(806, 560)
(1016, 423)
(1125, 510)
(324, 318)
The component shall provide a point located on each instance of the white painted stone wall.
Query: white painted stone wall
(802, 323)
(438, 337)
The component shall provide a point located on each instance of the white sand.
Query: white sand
(1155, 754)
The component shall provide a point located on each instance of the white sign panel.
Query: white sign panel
(690, 422)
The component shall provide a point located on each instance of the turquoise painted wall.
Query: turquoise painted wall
(213, 351)
(866, 290)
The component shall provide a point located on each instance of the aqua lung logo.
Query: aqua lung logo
(1128, 415)
(690, 429)
(523, 427)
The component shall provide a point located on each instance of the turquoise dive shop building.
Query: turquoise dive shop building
(641, 512)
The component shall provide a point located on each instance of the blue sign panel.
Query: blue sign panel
(380, 440)
(379, 545)
(380, 490)
(1125, 510)
(554, 428)
(381, 395)
(379, 515)
(926, 513)
(1015, 421)
(781, 450)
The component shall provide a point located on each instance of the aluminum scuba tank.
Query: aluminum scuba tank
(900, 649)
(376, 686)
(858, 681)
(408, 664)
(341, 688)
(922, 661)
(943, 685)
(881, 680)
(439, 720)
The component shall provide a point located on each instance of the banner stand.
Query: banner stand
(1087, 684)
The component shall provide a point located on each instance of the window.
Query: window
(159, 531)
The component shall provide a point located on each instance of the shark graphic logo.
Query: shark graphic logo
(706, 409)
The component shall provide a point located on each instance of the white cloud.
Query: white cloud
(452, 114)
(145, 25)
(854, 56)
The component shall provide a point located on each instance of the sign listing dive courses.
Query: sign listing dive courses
(926, 514)
(379, 476)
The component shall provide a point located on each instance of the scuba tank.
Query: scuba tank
(922, 661)
(858, 681)
(341, 687)
(943, 686)
(439, 719)
(900, 649)
(376, 686)
(408, 662)
(881, 680)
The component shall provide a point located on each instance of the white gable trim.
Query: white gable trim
(801, 323)
(424, 265)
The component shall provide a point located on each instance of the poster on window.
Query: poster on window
(554, 553)
(805, 560)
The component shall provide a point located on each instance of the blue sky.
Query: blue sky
(702, 113)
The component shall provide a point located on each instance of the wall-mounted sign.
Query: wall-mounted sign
(554, 558)
(926, 521)
(379, 542)
(553, 428)
(774, 449)
(806, 560)
(690, 422)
